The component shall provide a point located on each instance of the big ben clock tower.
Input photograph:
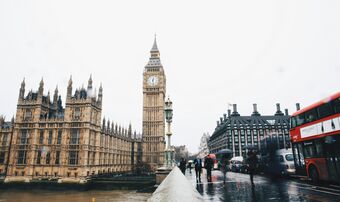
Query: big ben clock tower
(154, 87)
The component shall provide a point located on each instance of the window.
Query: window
(21, 157)
(289, 157)
(336, 105)
(48, 157)
(309, 149)
(77, 113)
(59, 137)
(57, 158)
(4, 140)
(311, 115)
(300, 119)
(41, 137)
(39, 157)
(74, 137)
(2, 157)
(24, 137)
(73, 157)
(50, 135)
(325, 110)
(28, 114)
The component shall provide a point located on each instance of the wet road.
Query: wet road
(238, 188)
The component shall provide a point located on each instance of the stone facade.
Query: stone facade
(154, 89)
(49, 141)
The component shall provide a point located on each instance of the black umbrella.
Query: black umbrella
(250, 147)
(225, 151)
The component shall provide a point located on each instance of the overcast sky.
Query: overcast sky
(213, 53)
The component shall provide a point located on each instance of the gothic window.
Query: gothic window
(73, 157)
(57, 158)
(39, 157)
(48, 157)
(41, 137)
(74, 140)
(22, 157)
(2, 157)
(77, 113)
(59, 137)
(4, 139)
(28, 114)
(50, 134)
(24, 137)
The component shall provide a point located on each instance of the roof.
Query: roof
(321, 102)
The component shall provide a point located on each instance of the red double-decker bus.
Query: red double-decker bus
(315, 136)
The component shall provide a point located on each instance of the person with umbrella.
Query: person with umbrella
(208, 165)
(225, 155)
(198, 169)
(252, 162)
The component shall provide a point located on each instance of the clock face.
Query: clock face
(153, 80)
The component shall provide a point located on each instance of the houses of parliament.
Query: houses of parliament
(46, 140)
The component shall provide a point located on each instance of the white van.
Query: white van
(284, 161)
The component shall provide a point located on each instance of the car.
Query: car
(236, 163)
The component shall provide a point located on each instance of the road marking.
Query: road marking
(332, 185)
(317, 187)
(327, 192)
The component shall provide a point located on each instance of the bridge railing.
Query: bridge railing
(175, 187)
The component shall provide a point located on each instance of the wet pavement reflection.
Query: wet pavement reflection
(238, 188)
(73, 196)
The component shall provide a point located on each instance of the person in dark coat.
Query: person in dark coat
(198, 169)
(182, 165)
(208, 165)
(252, 162)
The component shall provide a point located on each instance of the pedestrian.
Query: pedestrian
(208, 165)
(252, 162)
(224, 166)
(198, 169)
(189, 166)
(182, 165)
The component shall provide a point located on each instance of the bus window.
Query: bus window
(319, 147)
(300, 119)
(292, 122)
(311, 115)
(309, 149)
(336, 105)
(324, 110)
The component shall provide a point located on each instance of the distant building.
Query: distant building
(181, 152)
(49, 141)
(235, 132)
(203, 149)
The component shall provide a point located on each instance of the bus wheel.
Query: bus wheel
(313, 174)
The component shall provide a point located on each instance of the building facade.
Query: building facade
(154, 89)
(235, 132)
(6, 131)
(49, 141)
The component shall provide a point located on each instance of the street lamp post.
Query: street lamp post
(168, 117)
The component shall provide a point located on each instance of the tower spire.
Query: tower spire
(154, 47)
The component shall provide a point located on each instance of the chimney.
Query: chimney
(278, 107)
(234, 108)
(297, 106)
(235, 113)
(221, 120)
(229, 112)
(278, 110)
(286, 112)
(255, 107)
(224, 117)
(255, 112)
(218, 123)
